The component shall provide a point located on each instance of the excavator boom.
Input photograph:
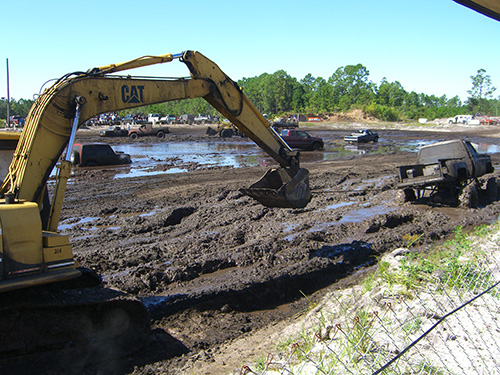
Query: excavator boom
(50, 122)
(33, 254)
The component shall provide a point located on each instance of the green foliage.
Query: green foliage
(455, 263)
(348, 87)
(383, 112)
(20, 107)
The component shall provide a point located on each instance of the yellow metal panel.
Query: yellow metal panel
(51, 239)
(38, 279)
(58, 256)
(22, 237)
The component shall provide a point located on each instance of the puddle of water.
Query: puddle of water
(487, 148)
(82, 220)
(152, 301)
(145, 157)
(338, 205)
(356, 216)
(365, 213)
(138, 172)
(243, 153)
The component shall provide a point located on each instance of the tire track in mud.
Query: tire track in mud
(228, 266)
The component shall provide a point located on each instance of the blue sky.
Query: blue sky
(429, 46)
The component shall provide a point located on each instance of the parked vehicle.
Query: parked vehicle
(447, 171)
(153, 118)
(186, 119)
(286, 122)
(362, 136)
(302, 140)
(16, 121)
(460, 119)
(488, 121)
(168, 119)
(203, 119)
(89, 155)
(133, 119)
(148, 130)
(114, 131)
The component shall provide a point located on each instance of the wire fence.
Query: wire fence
(432, 314)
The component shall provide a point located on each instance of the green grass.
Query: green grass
(454, 264)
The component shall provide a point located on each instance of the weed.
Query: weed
(261, 363)
(412, 326)
(358, 342)
(411, 239)
(387, 274)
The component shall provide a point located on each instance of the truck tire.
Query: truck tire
(409, 195)
(160, 135)
(133, 136)
(74, 158)
(316, 146)
(226, 133)
(492, 189)
(469, 197)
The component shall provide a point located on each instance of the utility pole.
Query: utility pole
(8, 96)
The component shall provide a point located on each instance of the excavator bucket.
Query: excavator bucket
(277, 188)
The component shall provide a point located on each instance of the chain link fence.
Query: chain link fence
(436, 313)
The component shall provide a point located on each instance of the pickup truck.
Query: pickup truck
(89, 155)
(147, 130)
(362, 136)
(114, 131)
(446, 170)
(302, 140)
(203, 119)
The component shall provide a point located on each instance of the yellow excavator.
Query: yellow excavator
(33, 253)
(36, 318)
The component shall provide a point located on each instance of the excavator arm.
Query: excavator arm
(31, 250)
(75, 98)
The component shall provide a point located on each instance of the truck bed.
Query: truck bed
(420, 175)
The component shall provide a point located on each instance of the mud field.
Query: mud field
(214, 266)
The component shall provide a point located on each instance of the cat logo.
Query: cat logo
(132, 94)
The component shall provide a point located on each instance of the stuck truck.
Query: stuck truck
(147, 130)
(447, 172)
(362, 136)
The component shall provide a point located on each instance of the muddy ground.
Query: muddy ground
(217, 270)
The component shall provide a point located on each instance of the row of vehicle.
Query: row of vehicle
(473, 120)
(155, 118)
(14, 122)
(297, 138)
(103, 154)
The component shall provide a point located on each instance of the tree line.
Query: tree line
(348, 88)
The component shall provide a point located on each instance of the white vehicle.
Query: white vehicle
(153, 118)
(460, 119)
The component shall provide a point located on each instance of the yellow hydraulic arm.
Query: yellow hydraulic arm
(77, 97)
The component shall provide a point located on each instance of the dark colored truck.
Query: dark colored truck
(302, 140)
(447, 171)
(94, 154)
(114, 131)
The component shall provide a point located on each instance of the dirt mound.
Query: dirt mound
(352, 116)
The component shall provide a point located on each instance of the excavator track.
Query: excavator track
(54, 330)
